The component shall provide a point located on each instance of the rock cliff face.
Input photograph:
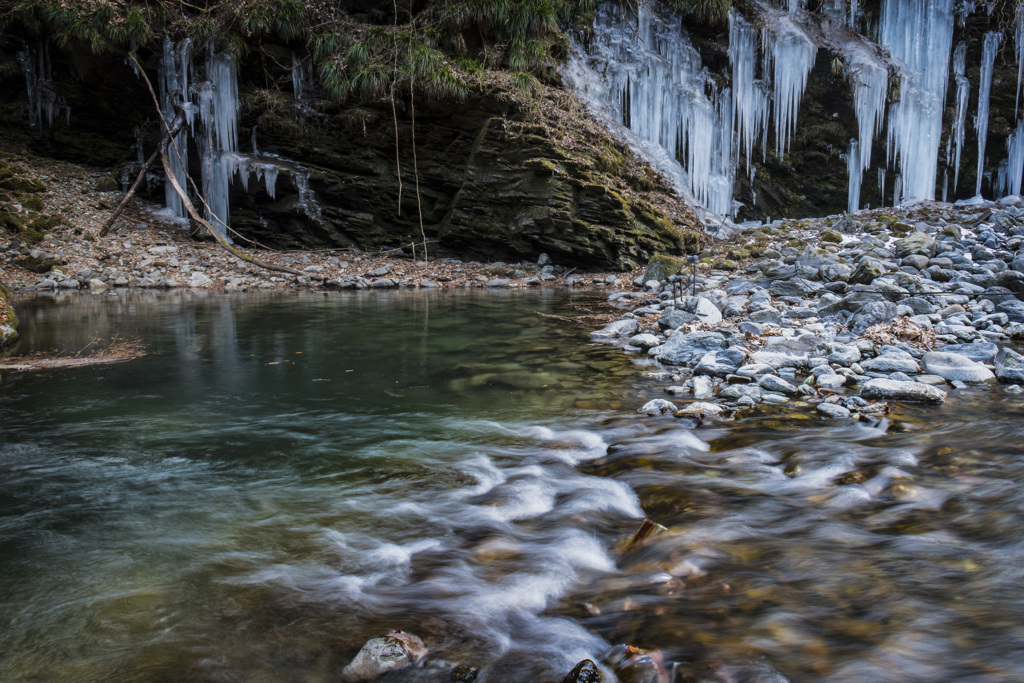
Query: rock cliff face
(498, 175)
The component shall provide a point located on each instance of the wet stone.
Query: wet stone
(833, 410)
(953, 367)
(1010, 366)
(584, 672)
(915, 392)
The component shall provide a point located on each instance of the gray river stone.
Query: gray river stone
(892, 362)
(613, 330)
(658, 406)
(1010, 366)
(700, 409)
(843, 354)
(871, 314)
(780, 359)
(687, 349)
(980, 352)
(754, 370)
(833, 410)
(720, 363)
(891, 390)
(675, 318)
(954, 367)
(703, 387)
(644, 341)
(707, 312)
(830, 382)
(735, 391)
(776, 384)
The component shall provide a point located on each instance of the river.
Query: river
(281, 478)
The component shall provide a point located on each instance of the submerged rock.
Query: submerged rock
(584, 672)
(377, 657)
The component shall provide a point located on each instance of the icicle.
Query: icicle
(173, 78)
(897, 190)
(852, 19)
(963, 91)
(1018, 35)
(881, 185)
(945, 184)
(789, 55)
(255, 149)
(750, 102)
(853, 167)
(988, 58)
(1014, 161)
(302, 74)
(218, 141)
(919, 33)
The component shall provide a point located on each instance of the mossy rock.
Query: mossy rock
(738, 254)
(32, 202)
(831, 236)
(725, 264)
(8, 319)
(107, 184)
(34, 264)
(45, 223)
(19, 184)
(661, 266)
(11, 221)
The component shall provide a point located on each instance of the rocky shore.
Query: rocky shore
(836, 316)
(54, 212)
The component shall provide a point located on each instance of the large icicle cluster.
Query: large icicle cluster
(642, 68)
(646, 73)
(211, 109)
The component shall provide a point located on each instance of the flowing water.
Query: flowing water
(282, 478)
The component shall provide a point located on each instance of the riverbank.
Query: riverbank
(54, 212)
(839, 316)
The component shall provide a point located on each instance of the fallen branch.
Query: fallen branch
(189, 207)
(142, 174)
